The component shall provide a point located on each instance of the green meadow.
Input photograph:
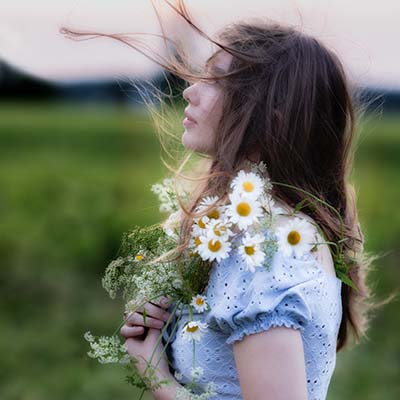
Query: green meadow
(73, 179)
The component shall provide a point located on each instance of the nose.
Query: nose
(190, 94)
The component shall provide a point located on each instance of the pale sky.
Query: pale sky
(364, 33)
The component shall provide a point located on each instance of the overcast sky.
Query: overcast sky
(365, 33)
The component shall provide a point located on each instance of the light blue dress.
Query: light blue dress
(293, 292)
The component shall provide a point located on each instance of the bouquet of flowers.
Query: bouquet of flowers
(147, 267)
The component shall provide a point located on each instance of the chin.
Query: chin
(194, 145)
(188, 143)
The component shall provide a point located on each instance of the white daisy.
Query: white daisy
(247, 184)
(211, 248)
(218, 229)
(140, 256)
(194, 330)
(206, 202)
(251, 252)
(199, 303)
(196, 373)
(199, 225)
(213, 213)
(194, 242)
(296, 235)
(243, 211)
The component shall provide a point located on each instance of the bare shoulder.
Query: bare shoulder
(323, 253)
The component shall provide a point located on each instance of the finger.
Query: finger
(155, 312)
(163, 301)
(152, 335)
(129, 331)
(137, 319)
(131, 345)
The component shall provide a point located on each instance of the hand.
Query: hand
(155, 318)
(141, 345)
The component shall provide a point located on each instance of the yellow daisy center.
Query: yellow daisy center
(214, 214)
(248, 186)
(293, 237)
(192, 329)
(214, 246)
(199, 301)
(249, 250)
(219, 229)
(201, 224)
(243, 209)
(197, 241)
(139, 257)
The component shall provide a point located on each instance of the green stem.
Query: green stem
(169, 337)
(159, 339)
(317, 199)
(337, 245)
(173, 330)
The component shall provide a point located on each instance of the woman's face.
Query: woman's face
(205, 107)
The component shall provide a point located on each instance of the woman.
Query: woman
(274, 94)
(290, 107)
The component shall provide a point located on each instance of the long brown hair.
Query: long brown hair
(287, 95)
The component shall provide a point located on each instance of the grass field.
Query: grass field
(73, 178)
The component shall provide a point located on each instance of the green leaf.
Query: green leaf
(299, 206)
(345, 279)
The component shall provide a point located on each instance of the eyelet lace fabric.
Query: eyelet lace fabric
(292, 292)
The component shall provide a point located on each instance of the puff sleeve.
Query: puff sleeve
(284, 293)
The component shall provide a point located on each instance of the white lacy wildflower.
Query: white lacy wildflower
(177, 283)
(106, 349)
(247, 184)
(196, 373)
(251, 251)
(194, 330)
(178, 375)
(297, 236)
(243, 211)
(199, 303)
(150, 281)
(183, 393)
(166, 195)
(134, 304)
(172, 224)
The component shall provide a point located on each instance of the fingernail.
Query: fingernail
(166, 315)
(165, 301)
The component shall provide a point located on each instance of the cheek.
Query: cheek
(212, 109)
(198, 139)
(201, 136)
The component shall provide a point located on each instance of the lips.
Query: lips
(189, 117)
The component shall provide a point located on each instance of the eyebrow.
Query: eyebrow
(214, 67)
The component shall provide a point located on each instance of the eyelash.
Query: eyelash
(212, 81)
(206, 81)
